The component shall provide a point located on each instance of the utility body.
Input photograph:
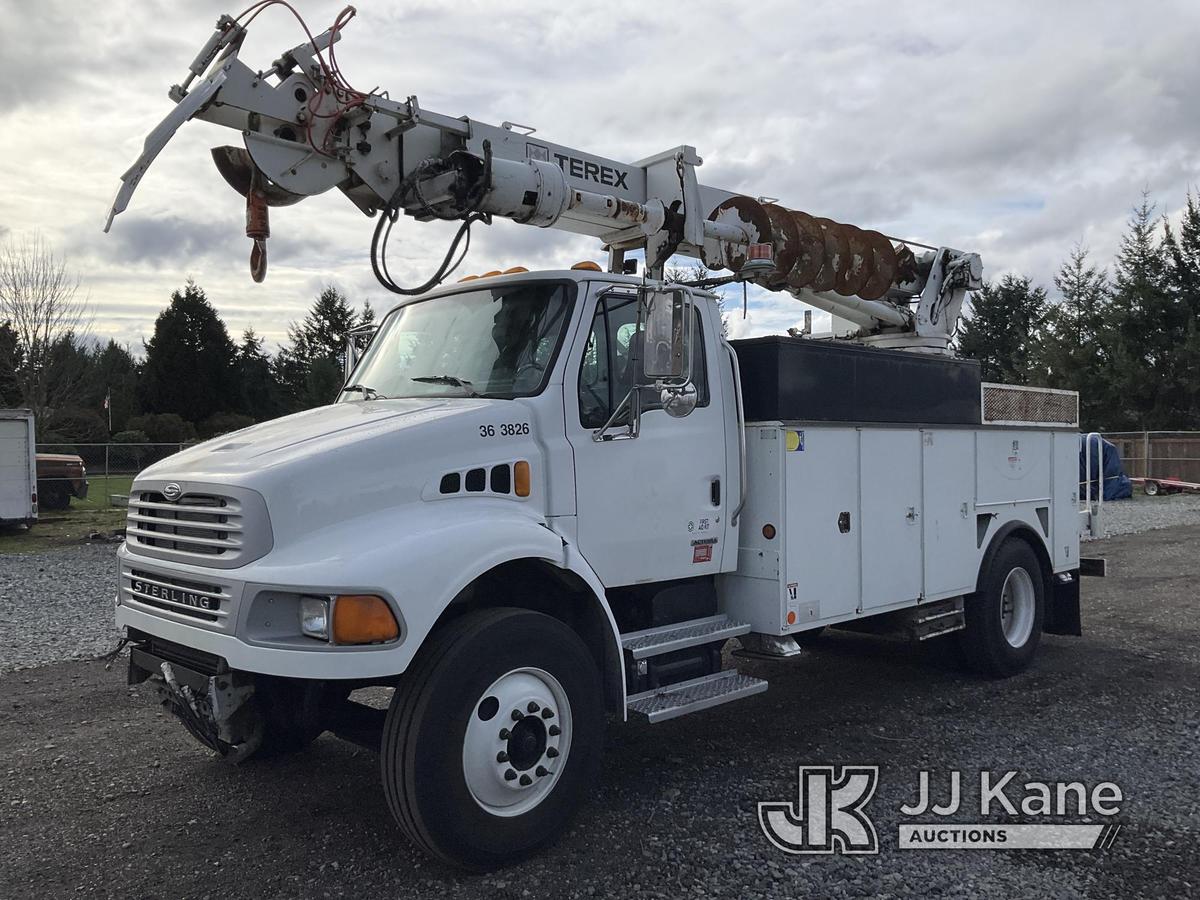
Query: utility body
(544, 498)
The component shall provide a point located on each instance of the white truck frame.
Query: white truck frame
(519, 554)
(18, 468)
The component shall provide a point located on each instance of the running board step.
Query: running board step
(678, 635)
(692, 696)
(937, 619)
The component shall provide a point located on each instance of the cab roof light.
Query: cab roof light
(515, 270)
(587, 266)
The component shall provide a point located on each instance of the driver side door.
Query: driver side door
(650, 508)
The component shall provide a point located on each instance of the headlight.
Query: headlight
(314, 617)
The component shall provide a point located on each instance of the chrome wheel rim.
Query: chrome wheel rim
(517, 741)
(1018, 600)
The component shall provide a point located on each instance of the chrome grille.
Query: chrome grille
(165, 593)
(202, 524)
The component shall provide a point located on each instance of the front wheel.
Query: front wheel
(1151, 488)
(494, 737)
(1004, 619)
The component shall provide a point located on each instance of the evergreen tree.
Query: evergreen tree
(1002, 330)
(112, 373)
(10, 363)
(1074, 349)
(1149, 327)
(256, 382)
(1183, 280)
(309, 369)
(190, 360)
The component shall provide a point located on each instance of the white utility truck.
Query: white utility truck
(18, 468)
(542, 498)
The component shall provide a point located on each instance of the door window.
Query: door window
(607, 373)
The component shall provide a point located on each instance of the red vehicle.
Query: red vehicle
(60, 476)
(1169, 485)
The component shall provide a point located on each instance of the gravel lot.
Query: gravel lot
(1141, 513)
(105, 796)
(57, 605)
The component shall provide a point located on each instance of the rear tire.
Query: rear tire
(1004, 618)
(54, 496)
(494, 692)
(1150, 488)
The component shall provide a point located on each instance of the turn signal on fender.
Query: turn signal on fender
(521, 479)
(363, 619)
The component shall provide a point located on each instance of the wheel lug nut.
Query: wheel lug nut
(505, 734)
(526, 781)
(554, 731)
(541, 771)
(501, 756)
(517, 715)
(552, 752)
(533, 707)
(510, 775)
(547, 713)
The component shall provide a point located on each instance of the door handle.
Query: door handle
(714, 492)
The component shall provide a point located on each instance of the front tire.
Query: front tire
(493, 737)
(1004, 618)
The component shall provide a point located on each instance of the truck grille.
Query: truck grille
(166, 593)
(200, 524)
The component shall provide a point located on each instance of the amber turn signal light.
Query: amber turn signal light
(521, 479)
(363, 619)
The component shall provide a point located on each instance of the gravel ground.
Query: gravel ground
(103, 795)
(57, 605)
(1141, 513)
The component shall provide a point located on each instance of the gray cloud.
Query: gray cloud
(1015, 130)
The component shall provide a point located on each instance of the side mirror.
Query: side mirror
(678, 402)
(665, 334)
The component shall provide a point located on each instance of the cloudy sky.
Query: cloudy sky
(1014, 129)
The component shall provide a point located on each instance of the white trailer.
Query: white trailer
(18, 468)
(546, 497)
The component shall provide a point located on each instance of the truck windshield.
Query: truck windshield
(498, 342)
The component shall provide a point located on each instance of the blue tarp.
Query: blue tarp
(1117, 485)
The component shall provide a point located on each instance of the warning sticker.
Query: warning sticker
(702, 553)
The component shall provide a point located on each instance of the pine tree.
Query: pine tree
(1183, 279)
(309, 369)
(1149, 327)
(1074, 349)
(257, 387)
(1002, 331)
(189, 367)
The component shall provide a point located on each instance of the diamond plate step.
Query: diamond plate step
(664, 639)
(692, 696)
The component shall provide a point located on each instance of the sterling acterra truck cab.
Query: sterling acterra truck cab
(546, 499)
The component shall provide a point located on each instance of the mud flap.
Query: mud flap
(1062, 609)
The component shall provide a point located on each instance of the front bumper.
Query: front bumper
(241, 631)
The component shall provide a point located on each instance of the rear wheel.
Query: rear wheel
(1004, 619)
(494, 737)
(1151, 488)
(54, 496)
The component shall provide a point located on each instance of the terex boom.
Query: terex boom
(541, 498)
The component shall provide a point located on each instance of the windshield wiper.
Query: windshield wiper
(369, 393)
(448, 379)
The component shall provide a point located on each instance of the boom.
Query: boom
(306, 130)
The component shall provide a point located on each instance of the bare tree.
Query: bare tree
(39, 299)
(697, 272)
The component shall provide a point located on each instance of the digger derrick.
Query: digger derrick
(306, 130)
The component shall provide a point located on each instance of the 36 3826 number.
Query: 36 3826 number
(505, 429)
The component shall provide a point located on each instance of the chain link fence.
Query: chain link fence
(97, 475)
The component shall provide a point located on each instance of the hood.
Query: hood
(304, 434)
(325, 466)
